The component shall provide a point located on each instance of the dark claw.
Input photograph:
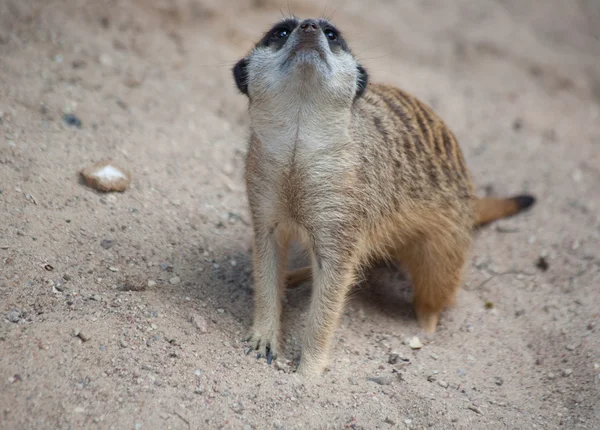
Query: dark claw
(269, 357)
(258, 355)
(249, 351)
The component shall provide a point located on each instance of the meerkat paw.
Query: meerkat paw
(428, 321)
(312, 366)
(265, 344)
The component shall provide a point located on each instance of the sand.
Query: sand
(128, 310)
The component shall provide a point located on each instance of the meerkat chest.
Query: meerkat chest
(303, 164)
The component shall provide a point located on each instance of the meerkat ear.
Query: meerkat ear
(361, 81)
(240, 74)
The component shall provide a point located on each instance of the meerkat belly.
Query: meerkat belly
(307, 184)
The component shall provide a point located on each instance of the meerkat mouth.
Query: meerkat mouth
(307, 53)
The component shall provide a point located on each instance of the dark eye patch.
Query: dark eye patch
(279, 33)
(334, 37)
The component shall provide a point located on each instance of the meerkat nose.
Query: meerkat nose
(309, 26)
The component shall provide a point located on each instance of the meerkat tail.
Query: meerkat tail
(490, 209)
(297, 276)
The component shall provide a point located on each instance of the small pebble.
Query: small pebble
(123, 343)
(393, 358)
(380, 380)
(551, 376)
(175, 280)
(107, 243)
(443, 384)
(14, 316)
(498, 381)
(71, 120)
(238, 407)
(567, 372)
(84, 336)
(221, 310)
(199, 322)
(151, 284)
(199, 389)
(571, 347)
(415, 343)
(475, 409)
(542, 263)
(113, 269)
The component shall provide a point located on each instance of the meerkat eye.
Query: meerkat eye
(281, 33)
(330, 34)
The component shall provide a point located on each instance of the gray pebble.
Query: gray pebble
(475, 409)
(443, 384)
(380, 380)
(175, 280)
(199, 389)
(107, 244)
(199, 322)
(14, 316)
(238, 407)
(84, 336)
(123, 343)
(393, 358)
(567, 372)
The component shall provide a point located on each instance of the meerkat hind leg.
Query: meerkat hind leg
(436, 272)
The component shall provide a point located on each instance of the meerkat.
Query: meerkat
(355, 172)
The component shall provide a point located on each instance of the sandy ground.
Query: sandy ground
(157, 279)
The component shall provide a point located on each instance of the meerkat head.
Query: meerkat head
(307, 58)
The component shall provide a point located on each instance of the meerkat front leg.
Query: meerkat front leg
(332, 280)
(270, 250)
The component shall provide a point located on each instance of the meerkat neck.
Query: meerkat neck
(284, 125)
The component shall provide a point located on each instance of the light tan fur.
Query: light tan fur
(353, 180)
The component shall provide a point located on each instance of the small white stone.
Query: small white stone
(175, 280)
(415, 343)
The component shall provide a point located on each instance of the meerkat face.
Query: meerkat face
(309, 58)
